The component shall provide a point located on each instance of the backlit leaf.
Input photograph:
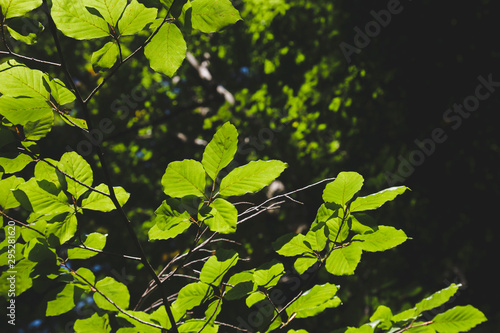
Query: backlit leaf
(343, 188)
(115, 291)
(106, 57)
(75, 166)
(251, 177)
(95, 324)
(376, 200)
(95, 240)
(382, 239)
(135, 18)
(344, 260)
(183, 178)
(314, 301)
(213, 15)
(220, 150)
(217, 266)
(221, 216)
(100, 202)
(458, 319)
(192, 295)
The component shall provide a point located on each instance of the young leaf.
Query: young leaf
(291, 245)
(74, 20)
(63, 300)
(106, 57)
(95, 241)
(167, 50)
(343, 188)
(458, 319)
(64, 230)
(61, 94)
(212, 15)
(16, 8)
(436, 299)
(314, 301)
(74, 165)
(21, 110)
(344, 260)
(172, 219)
(217, 266)
(100, 202)
(251, 177)
(135, 18)
(376, 200)
(41, 201)
(220, 150)
(183, 178)
(115, 291)
(302, 264)
(192, 295)
(7, 199)
(11, 163)
(19, 80)
(110, 10)
(382, 239)
(317, 237)
(95, 324)
(221, 216)
(268, 274)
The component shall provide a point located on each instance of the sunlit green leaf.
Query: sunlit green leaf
(75, 166)
(436, 299)
(302, 264)
(195, 325)
(344, 260)
(220, 216)
(192, 295)
(21, 110)
(15, 8)
(39, 128)
(291, 245)
(171, 219)
(220, 150)
(115, 291)
(19, 80)
(110, 10)
(74, 19)
(217, 266)
(167, 50)
(7, 199)
(64, 230)
(314, 301)
(95, 324)
(41, 200)
(183, 178)
(376, 200)
(95, 241)
(268, 274)
(63, 300)
(251, 177)
(382, 239)
(213, 15)
(243, 285)
(100, 202)
(106, 57)
(135, 18)
(458, 319)
(11, 163)
(343, 188)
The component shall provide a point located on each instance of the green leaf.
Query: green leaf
(268, 274)
(35, 130)
(135, 18)
(75, 122)
(106, 57)
(24, 281)
(30, 38)
(343, 188)
(221, 216)
(42, 202)
(382, 317)
(183, 178)
(217, 266)
(436, 299)
(19, 80)
(100, 202)
(338, 230)
(314, 301)
(74, 165)
(195, 325)
(317, 237)
(167, 50)
(382, 239)
(7, 199)
(63, 230)
(86, 274)
(63, 300)
(421, 329)
(213, 15)
(16, 8)
(243, 285)
(95, 324)
(192, 295)
(110, 10)
(46, 174)
(251, 177)
(94, 240)
(291, 245)
(376, 200)
(21, 110)
(12, 163)
(115, 291)
(61, 94)
(220, 150)
(255, 298)
(171, 219)
(29, 233)
(74, 20)
(301, 265)
(458, 319)
(344, 260)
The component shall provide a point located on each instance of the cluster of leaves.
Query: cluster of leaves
(58, 193)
